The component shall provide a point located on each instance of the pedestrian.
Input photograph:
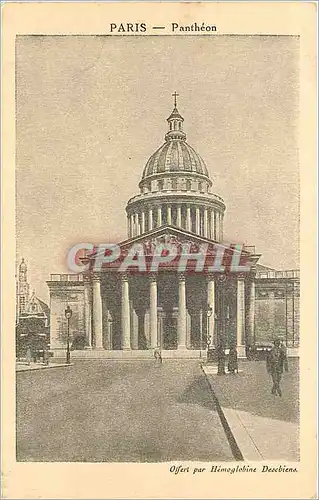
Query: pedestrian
(158, 356)
(221, 358)
(232, 360)
(28, 356)
(46, 357)
(276, 362)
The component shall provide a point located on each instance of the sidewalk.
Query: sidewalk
(262, 426)
(22, 366)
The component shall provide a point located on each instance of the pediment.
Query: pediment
(187, 243)
(171, 235)
(168, 235)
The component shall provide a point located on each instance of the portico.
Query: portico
(169, 310)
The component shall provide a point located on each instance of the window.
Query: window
(200, 186)
(174, 184)
(160, 185)
(188, 185)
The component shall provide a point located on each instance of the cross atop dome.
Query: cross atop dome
(175, 121)
(175, 95)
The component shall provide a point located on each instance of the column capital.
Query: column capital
(152, 277)
(87, 277)
(181, 276)
(96, 277)
(241, 277)
(124, 277)
(210, 277)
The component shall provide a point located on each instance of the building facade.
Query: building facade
(122, 313)
(32, 315)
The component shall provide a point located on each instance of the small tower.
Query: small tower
(22, 289)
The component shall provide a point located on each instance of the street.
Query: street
(118, 411)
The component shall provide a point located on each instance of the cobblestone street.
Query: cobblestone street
(111, 411)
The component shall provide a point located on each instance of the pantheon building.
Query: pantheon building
(128, 314)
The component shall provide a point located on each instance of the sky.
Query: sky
(90, 111)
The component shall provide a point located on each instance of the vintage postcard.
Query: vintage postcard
(158, 251)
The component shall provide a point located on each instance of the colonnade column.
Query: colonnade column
(218, 226)
(181, 321)
(240, 311)
(132, 225)
(137, 224)
(129, 226)
(150, 219)
(211, 304)
(153, 311)
(169, 215)
(87, 312)
(251, 313)
(179, 216)
(197, 221)
(97, 312)
(159, 216)
(134, 326)
(221, 227)
(212, 224)
(143, 222)
(205, 222)
(125, 314)
(188, 218)
(215, 226)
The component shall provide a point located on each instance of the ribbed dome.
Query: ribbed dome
(175, 155)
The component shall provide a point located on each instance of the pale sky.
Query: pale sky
(92, 109)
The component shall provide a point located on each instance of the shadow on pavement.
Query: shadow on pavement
(250, 391)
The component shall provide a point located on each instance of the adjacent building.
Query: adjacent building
(32, 315)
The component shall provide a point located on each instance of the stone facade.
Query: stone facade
(176, 312)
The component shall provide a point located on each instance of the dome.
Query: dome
(175, 155)
(175, 189)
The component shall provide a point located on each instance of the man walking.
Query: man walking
(276, 363)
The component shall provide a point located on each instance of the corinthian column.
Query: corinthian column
(197, 231)
(211, 304)
(188, 219)
(221, 227)
(153, 311)
(205, 222)
(143, 222)
(181, 322)
(218, 226)
(97, 313)
(87, 312)
(179, 216)
(215, 229)
(240, 311)
(169, 215)
(125, 314)
(212, 222)
(150, 219)
(251, 314)
(159, 216)
(132, 226)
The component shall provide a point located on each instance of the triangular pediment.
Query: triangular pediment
(159, 242)
(173, 235)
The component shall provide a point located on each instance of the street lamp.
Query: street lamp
(68, 315)
(209, 337)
